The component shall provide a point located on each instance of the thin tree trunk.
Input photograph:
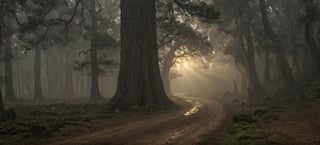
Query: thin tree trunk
(69, 90)
(166, 79)
(243, 78)
(9, 91)
(37, 74)
(19, 80)
(282, 62)
(139, 82)
(244, 83)
(255, 88)
(267, 61)
(295, 59)
(1, 42)
(168, 63)
(94, 90)
(49, 82)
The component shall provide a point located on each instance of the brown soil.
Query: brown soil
(85, 124)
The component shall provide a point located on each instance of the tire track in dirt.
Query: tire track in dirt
(178, 127)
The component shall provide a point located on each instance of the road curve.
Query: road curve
(177, 128)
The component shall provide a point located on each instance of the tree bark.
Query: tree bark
(94, 90)
(310, 40)
(255, 88)
(243, 77)
(139, 82)
(38, 95)
(1, 102)
(49, 80)
(282, 62)
(166, 81)
(267, 62)
(167, 65)
(244, 24)
(9, 91)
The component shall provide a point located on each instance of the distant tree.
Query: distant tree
(33, 30)
(282, 63)
(176, 39)
(243, 46)
(1, 42)
(1, 102)
(6, 33)
(311, 21)
(245, 25)
(1, 99)
(8, 57)
(139, 82)
(185, 42)
(95, 29)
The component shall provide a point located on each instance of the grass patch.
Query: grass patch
(10, 140)
(244, 133)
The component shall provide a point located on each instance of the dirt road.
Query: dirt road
(178, 128)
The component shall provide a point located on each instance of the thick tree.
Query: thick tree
(139, 82)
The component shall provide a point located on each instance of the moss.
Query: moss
(10, 140)
(277, 140)
(251, 134)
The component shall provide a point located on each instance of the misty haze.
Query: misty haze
(160, 72)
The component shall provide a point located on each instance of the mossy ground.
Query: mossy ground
(251, 134)
(291, 124)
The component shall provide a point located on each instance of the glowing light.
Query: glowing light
(194, 110)
(186, 62)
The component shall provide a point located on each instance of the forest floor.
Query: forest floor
(284, 121)
(89, 124)
(198, 121)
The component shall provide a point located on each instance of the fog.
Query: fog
(214, 81)
(155, 72)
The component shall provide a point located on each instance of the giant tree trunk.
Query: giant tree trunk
(94, 90)
(38, 95)
(9, 91)
(282, 62)
(139, 82)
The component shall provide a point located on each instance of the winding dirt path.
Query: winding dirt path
(178, 128)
